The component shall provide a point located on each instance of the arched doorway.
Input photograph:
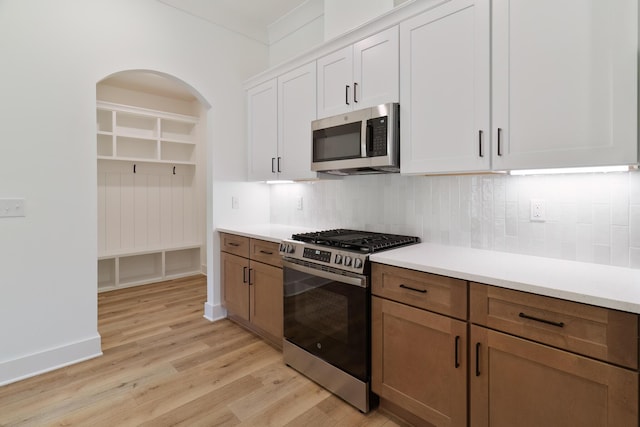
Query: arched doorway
(151, 154)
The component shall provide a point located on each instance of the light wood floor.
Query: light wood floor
(164, 364)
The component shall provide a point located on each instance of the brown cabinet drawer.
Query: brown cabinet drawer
(597, 332)
(440, 294)
(266, 252)
(233, 244)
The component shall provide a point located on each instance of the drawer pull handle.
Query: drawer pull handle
(233, 244)
(477, 359)
(537, 319)
(266, 252)
(456, 362)
(422, 291)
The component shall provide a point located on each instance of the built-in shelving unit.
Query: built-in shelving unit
(139, 134)
(149, 225)
(151, 265)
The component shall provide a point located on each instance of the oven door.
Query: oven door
(328, 314)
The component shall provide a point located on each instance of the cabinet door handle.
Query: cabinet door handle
(456, 362)
(244, 274)
(346, 94)
(499, 141)
(477, 359)
(422, 291)
(355, 92)
(250, 276)
(279, 158)
(266, 252)
(537, 319)
(273, 168)
(480, 144)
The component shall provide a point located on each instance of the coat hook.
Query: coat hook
(174, 170)
(134, 168)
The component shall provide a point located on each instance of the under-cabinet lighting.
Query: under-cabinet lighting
(284, 181)
(624, 168)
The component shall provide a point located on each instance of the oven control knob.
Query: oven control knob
(290, 248)
(347, 261)
(338, 259)
(283, 247)
(357, 263)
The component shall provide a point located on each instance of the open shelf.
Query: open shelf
(140, 269)
(177, 131)
(178, 151)
(136, 148)
(106, 273)
(136, 125)
(124, 269)
(182, 262)
(146, 135)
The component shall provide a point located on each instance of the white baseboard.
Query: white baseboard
(49, 360)
(214, 312)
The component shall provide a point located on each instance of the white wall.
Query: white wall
(297, 32)
(342, 16)
(53, 54)
(590, 217)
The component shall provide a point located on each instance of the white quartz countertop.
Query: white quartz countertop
(595, 284)
(269, 232)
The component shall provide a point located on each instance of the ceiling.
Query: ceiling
(248, 17)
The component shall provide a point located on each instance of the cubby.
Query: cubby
(132, 133)
(121, 270)
(181, 262)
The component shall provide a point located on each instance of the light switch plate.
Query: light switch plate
(11, 208)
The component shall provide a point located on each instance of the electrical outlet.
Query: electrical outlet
(12, 208)
(235, 202)
(299, 203)
(538, 210)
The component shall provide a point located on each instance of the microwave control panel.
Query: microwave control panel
(377, 136)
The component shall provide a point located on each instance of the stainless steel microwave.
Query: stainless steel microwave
(360, 142)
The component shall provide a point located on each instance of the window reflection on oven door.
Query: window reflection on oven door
(327, 314)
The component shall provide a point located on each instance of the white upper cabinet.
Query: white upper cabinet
(444, 89)
(360, 75)
(262, 107)
(280, 112)
(564, 83)
(296, 111)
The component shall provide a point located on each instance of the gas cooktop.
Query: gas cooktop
(354, 240)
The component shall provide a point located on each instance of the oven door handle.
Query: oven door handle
(360, 281)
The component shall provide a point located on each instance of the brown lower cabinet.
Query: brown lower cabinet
(251, 277)
(419, 362)
(532, 360)
(517, 382)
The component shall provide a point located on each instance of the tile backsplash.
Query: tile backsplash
(589, 217)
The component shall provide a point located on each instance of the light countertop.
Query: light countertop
(270, 232)
(595, 284)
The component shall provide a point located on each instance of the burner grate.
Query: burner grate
(363, 241)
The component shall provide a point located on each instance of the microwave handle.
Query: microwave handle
(365, 133)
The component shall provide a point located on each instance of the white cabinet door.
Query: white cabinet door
(444, 90)
(359, 76)
(564, 83)
(375, 70)
(263, 130)
(296, 110)
(335, 84)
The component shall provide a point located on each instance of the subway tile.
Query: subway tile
(620, 246)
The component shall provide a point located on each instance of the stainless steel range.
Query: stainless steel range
(327, 308)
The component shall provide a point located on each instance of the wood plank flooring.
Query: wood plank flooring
(165, 365)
